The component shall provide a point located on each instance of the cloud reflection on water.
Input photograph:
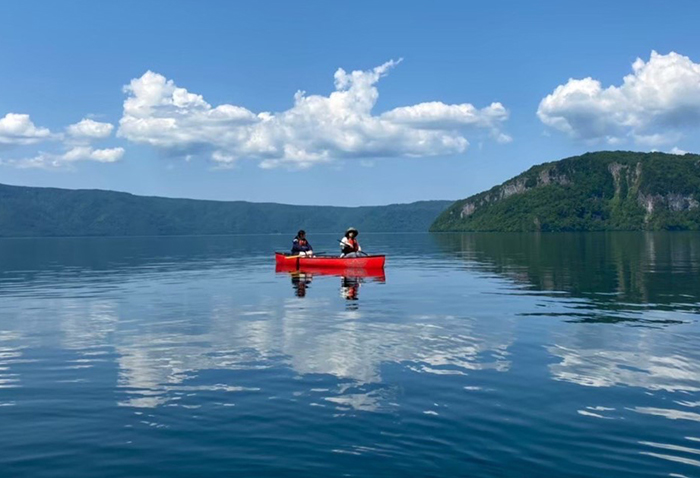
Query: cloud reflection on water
(310, 340)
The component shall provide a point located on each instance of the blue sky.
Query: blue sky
(476, 94)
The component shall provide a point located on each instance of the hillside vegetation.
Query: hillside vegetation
(28, 211)
(596, 191)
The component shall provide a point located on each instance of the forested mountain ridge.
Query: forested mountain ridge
(30, 211)
(608, 190)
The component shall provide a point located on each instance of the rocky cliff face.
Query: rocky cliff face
(596, 191)
(519, 185)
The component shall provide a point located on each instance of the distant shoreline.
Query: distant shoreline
(54, 212)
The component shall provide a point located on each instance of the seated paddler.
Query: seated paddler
(301, 246)
(349, 246)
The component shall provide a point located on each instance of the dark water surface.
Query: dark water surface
(563, 355)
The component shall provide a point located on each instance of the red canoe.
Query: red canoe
(328, 262)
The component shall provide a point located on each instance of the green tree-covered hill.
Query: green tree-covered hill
(610, 190)
(28, 211)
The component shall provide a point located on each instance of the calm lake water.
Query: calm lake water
(496, 355)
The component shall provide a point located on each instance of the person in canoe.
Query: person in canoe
(300, 246)
(349, 246)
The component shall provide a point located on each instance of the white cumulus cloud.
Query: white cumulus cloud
(315, 129)
(90, 129)
(73, 146)
(44, 160)
(656, 104)
(678, 151)
(18, 129)
(438, 115)
(87, 153)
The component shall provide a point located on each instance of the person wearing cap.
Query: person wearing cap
(300, 246)
(349, 247)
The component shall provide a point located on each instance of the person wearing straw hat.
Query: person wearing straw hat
(349, 246)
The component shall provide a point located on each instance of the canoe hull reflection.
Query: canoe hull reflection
(375, 274)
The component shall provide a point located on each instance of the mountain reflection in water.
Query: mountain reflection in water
(644, 279)
(617, 275)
